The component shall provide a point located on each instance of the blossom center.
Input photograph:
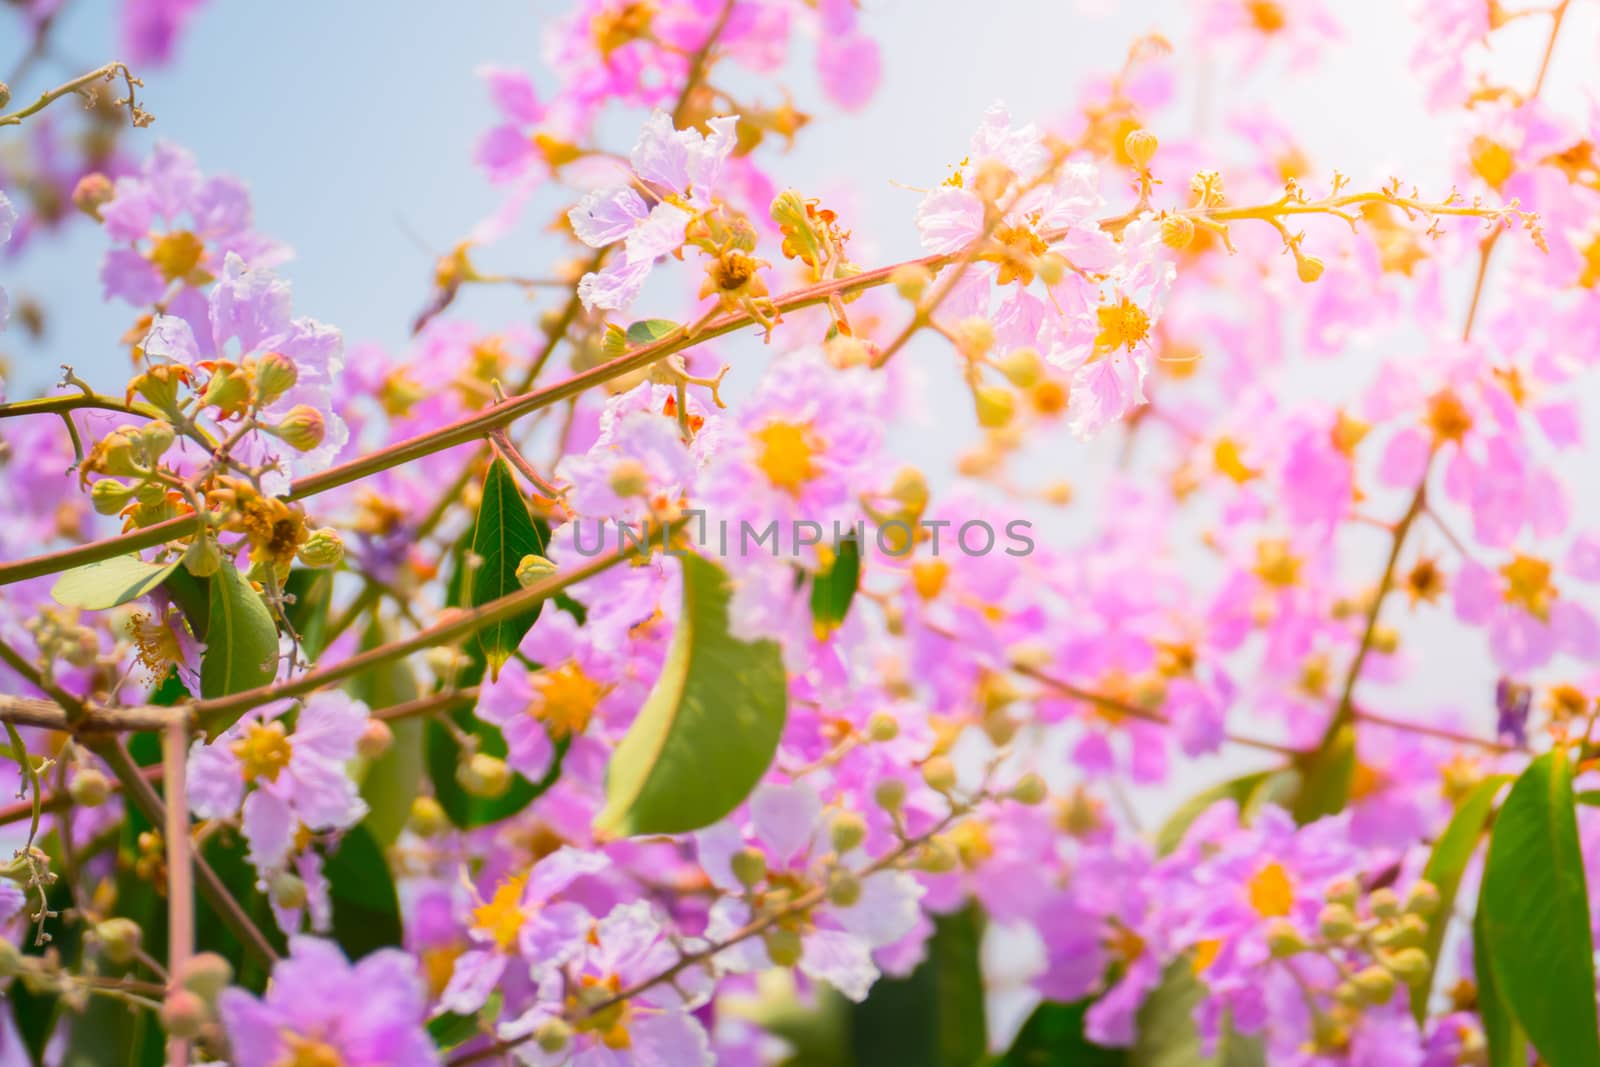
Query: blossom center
(301, 1051)
(568, 699)
(1528, 586)
(1267, 15)
(1271, 892)
(177, 254)
(502, 917)
(786, 455)
(1276, 565)
(1590, 277)
(1447, 416)
(1017, 250)
(1491, 160)
(263, 751)
(1123, 324)
(623, 25)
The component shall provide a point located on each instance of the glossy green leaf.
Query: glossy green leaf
(451, 1030)
(241, 642)
(503, 534)
(709, 728)
(1535, 916)
(1053, 1037)
(109, 582)
(834, 589)
(650, 331)
(935, 1015)
(390, 782)
(366, 911)
(1504, 1038)
(1165, 1034)
(1448, 861)
(1326, 776)
(1249, 792)
(312, 591)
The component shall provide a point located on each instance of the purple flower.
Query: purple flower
(283, 780)
(150, 28)
(322, 1009)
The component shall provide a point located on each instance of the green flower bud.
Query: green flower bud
(184, 1014)
(206, 975)
(118, 454)
(1022, 368)
(749, 867)
(156, 437)
(889, 794)
(996, 405)
(375, 739)
(552, 1035)
(1336, 922)
(89, 788)
(844, 890)
(1410, 965)
(910, 487)
(482, 775)
(911, 280)
(119, 939)
(427, 817)
(226, 391)
(1030, 790)
(1376, 984)
(323, 547)
(202, 557)
(847, 832)
(302, 428)
(1344, 891)
(939, 773)
(883, 726)
(1423, 900)
(276, 374)
(938, 856)
(287, 890)
(1141, 147)
(11, 959)
(1384, 903)
(110, 496)
(533, 569)
(783, 946)
(1284, 940)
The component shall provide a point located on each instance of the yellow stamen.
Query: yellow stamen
(567, 701)
(263, 751)
(502, 917)
(1528, 585)
(1271, 892)
(786, 454)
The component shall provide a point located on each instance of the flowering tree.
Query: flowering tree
(516, 698)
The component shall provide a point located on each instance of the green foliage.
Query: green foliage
(312, 591)
(241, 640)
(366, 911)
(1249, 792)
(1053, 1037)
(1534, 916)
(1165, 1034)
(390, 782)
(503, 534)
(934, 1017)
(650, 331)
(1326, 776)
(709, 728)
(110, 582)
(834, 589)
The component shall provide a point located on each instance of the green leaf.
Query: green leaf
(391, 781)
(504, 533)
(1165, 1034)
(1451, 854)
(451, 1030)
(650, 331)
(193, 597)
(109, 582)
(313, 597)
(1248, 792)
(1053, 1037)
(1508, 1047)
(444, 756)
(366, 911)
(834, 589)
(1535, 916)
(709, 728)
(1326, 777)
(934, 1017)
(241, 642)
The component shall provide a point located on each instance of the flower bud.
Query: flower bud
(1141, 147)
(89, 788)
(1022, 367)
(911, 280)
(882, 726)
(844, 890)
(1051, 268)
(629, 477)
(226, 390)
(446, 664)
(1309, 268)
(427, 817)
(1177, 232)
(552, 1035)
(119, 939)
(939, 773)
(1284, 940)
(184, 1014)
(116, 454)
(1423, 900)
(287, 890)
(1336, 922)
(533, 569)
(974, 337)
(939, 856)
(910, 488)
(889, 794)
(276, 374)
(159, 386)
(996, 405)
(1375, 984)
(749, 867)
(110, 496)
(156, 436)
(202, 557)
(301, 429)
(12, 960)
(1344, 891)
(847, 832)
(1384, 903)
(1030, 790)
(93, 192)
(323, 547)
(5, 94)
(206, 975)
(482, 775)
(375, 739)
(783, 946)
(1410, 965)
